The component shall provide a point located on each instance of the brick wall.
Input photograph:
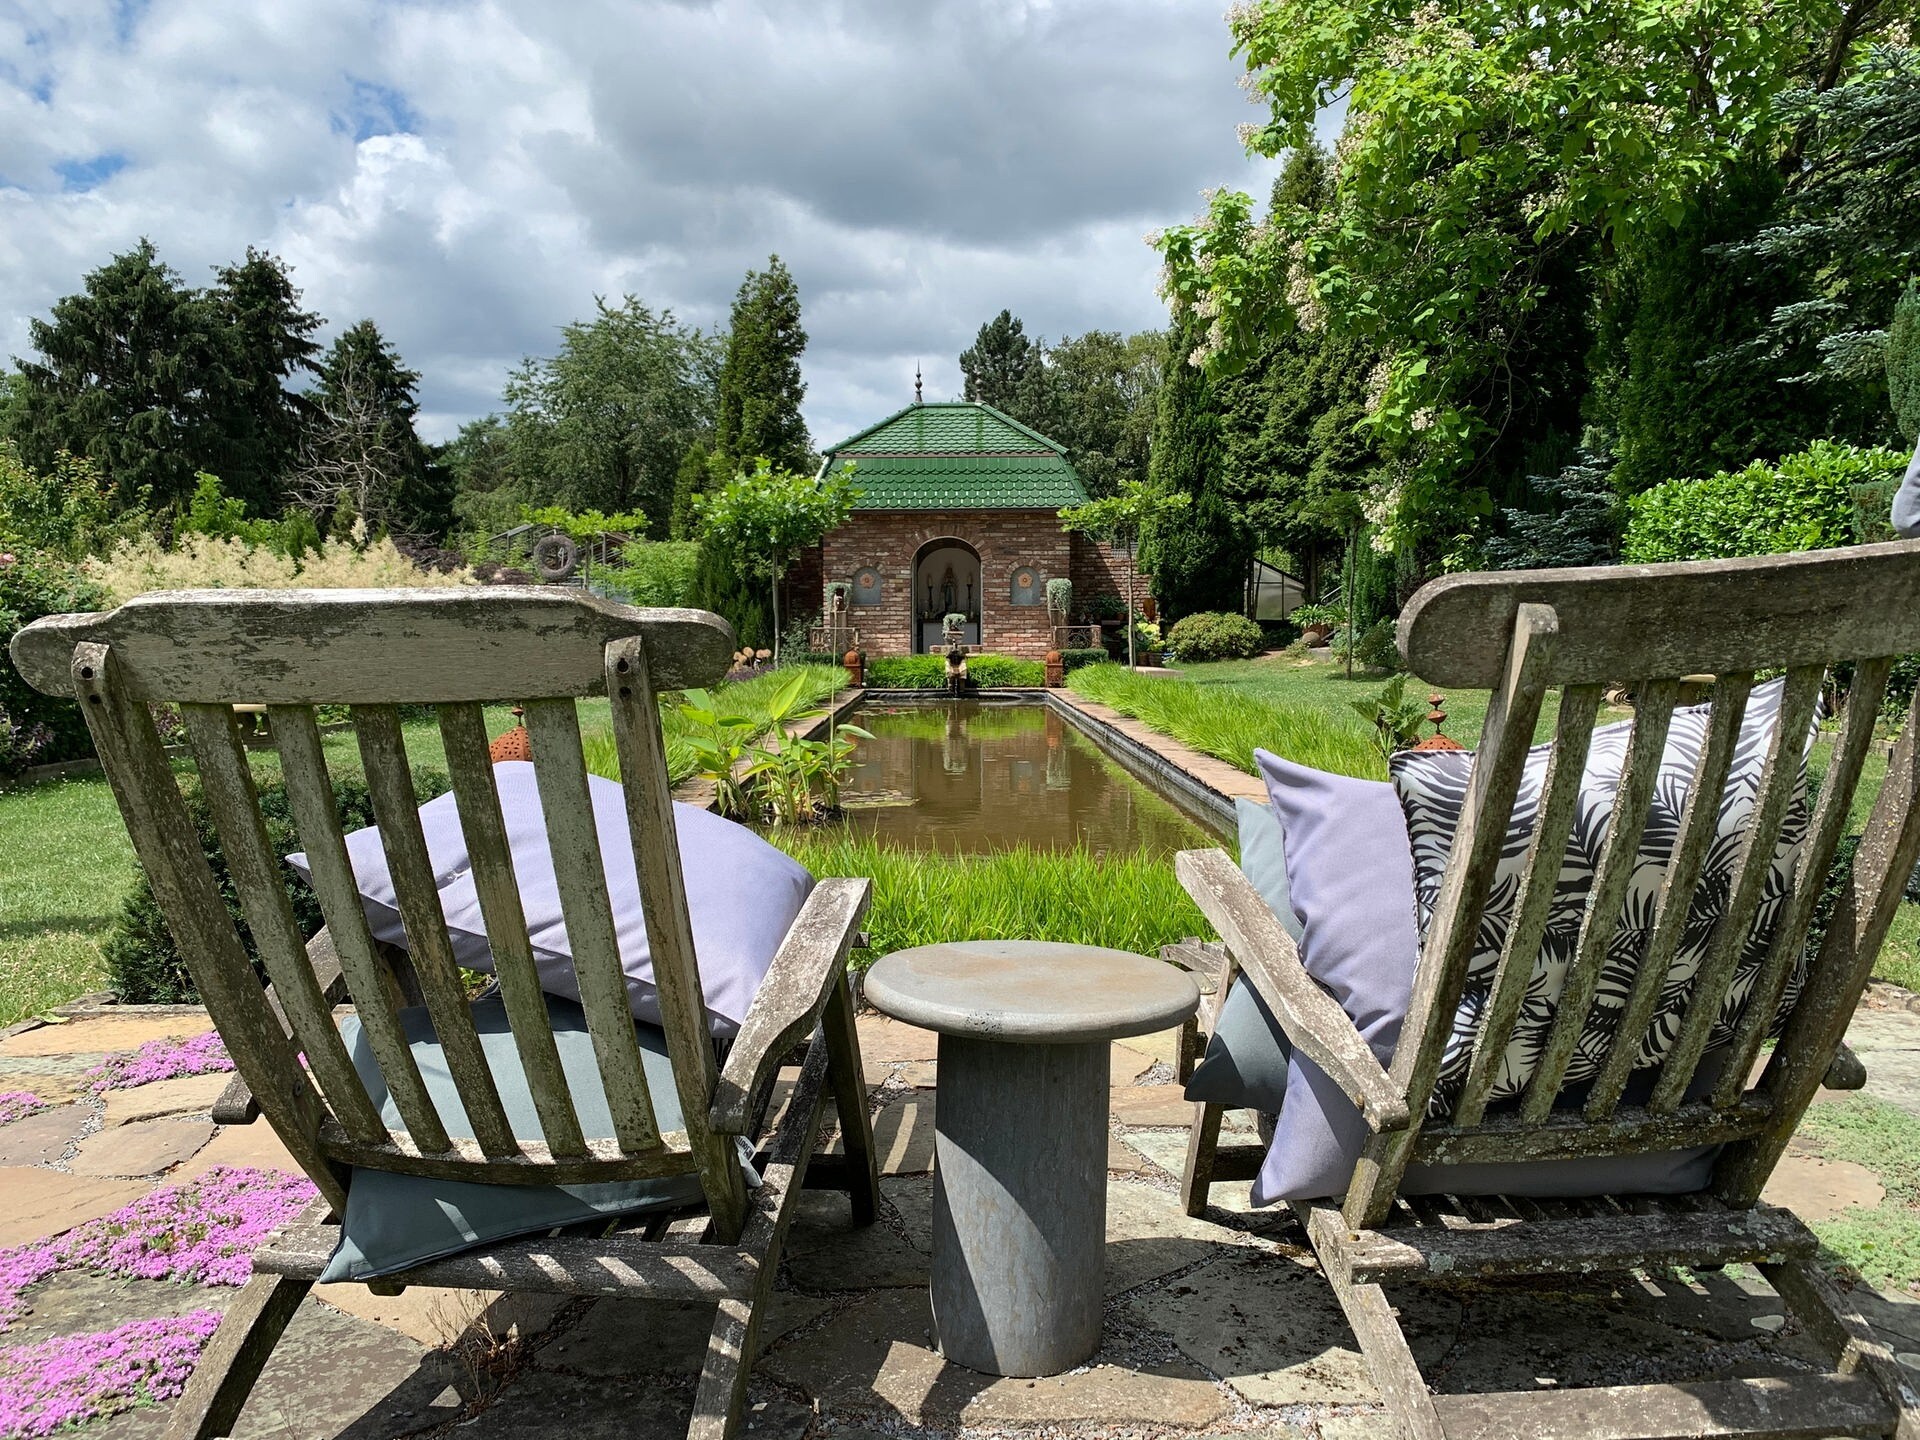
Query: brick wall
(1099, 570)
(1004, 539)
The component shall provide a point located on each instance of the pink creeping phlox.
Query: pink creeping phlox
(160, 1060)
(71, 1378)
(18, 1104)
(204, 1231)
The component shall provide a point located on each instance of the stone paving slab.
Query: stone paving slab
(825, 1251)
(254, 1146)
(44, 1138)
(577, 1407)
(333, 1375)
(74, 1302)
(903, 1136)
(1817, 1189)
(631, 1338)
(1151, 1105)
(436, 1316)
(877, 1358)
(186, 1095)
(36, 1203)
(885, 1041)
(101, 1036)
(146, 1147)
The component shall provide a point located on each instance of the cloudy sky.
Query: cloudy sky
(472, 175)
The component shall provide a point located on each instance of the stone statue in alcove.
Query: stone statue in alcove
(948, 591)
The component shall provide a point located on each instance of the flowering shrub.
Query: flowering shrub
(17, 1105)
(136, 567)
(72, 1378)
(164, 1059)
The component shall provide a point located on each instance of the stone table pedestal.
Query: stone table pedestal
(1020, 1134)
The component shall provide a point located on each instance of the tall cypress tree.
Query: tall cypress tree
(760, 384)
(1200, 561)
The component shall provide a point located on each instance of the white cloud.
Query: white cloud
(471, 175)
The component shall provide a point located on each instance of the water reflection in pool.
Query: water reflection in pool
(962, 776)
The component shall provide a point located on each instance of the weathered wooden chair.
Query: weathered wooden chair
(456, 649)
(1520, 634)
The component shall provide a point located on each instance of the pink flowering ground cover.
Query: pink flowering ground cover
(18, 1104)
(72, 1378)
(160, 1060)
(204, 1232)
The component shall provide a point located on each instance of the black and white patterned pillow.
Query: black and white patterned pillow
(1432, 786)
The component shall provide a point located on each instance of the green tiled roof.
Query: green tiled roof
(959, 455)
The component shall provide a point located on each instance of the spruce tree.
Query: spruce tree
(999, 363)
(258, 429)
(130, 374)
(760, 386)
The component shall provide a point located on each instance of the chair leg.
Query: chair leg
(1849, 1341)
(1389, 1360)
(234, 1358)
(1203, 1141)
(849, 1082)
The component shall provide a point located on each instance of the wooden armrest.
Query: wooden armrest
(810, 962)
(1312, 1019)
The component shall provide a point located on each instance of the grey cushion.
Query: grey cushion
(396, 1221)
(742, 894)
(1245, 1067)
(1350, 875)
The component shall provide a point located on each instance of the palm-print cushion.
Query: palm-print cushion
(1432, 786)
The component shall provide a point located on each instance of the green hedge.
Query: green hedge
(1072, 660)
(929, 672)
(144, 965)
(1805, 501)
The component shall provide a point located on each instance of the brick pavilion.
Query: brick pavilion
(959, 513)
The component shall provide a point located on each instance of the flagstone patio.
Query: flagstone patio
(1213, 1328)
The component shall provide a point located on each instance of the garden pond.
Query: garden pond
(972, 776)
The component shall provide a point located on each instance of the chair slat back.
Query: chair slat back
(1522, 633)
(377, 650)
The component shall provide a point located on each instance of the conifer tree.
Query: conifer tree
(1199, 561)
(259, 427)
(999, 364)
(760, 385)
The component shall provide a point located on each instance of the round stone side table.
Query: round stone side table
(1020, 1133)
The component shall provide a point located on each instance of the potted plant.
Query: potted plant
(1316, 622)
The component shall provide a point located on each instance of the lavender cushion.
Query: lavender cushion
(742, 894)
(1350, 874)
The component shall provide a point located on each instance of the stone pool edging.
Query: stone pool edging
(1206, 783)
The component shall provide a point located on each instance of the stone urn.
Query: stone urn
(856, 665)
(1056, 670)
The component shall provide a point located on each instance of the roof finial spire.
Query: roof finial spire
(916, 382)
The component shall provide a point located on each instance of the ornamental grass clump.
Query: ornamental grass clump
(164, 1059)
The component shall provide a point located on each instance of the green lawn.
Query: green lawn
(66, 864)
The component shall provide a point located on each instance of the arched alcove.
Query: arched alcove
(946, 579)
